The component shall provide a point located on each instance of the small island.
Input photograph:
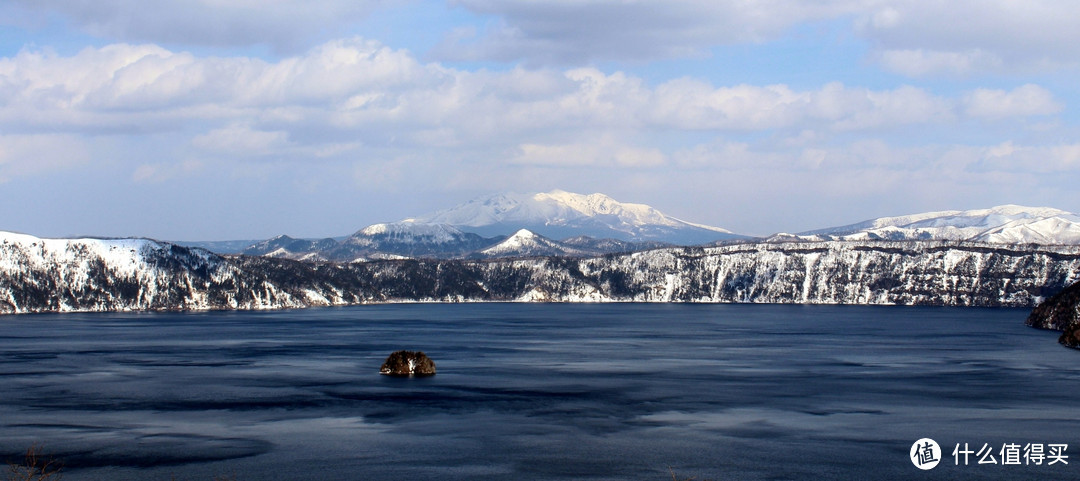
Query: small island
(408, 363)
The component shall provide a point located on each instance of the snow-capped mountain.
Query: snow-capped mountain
(406, 239)
(287, 247)
(1006, 224)
(559, 214)
(57, 275)
(525, 243)
(377, 241)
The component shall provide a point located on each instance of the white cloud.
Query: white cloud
(860, 108)
(923, 63)
(358, 90)
(356, 98)
(605, 152)
(726, 155)
(1023, 101)
(691, 104)
(356, 81)
(242, 140)
(143, 87)
(161, 172)
(1008, 157)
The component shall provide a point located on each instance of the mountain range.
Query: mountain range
(559, 214)
(561, 223)
(505, 225)
(60, 275)
(1002, 256)
(405, 240)
(1006, 224)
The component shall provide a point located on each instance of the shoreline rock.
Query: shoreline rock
(1061, 312)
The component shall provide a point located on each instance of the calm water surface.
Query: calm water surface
(528, 391)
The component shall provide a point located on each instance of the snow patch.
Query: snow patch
(561, 209)
(1008, 224)
(413, 232)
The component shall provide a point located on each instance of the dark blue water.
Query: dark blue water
(528, 391)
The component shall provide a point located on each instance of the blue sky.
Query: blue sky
(215, 119)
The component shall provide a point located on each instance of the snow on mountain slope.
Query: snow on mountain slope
(408, 239)
(1002, 224)
(525, 243)
(57, 275)
(63, 275)
(71, 274)
(560, 214)
(610, 246)
(410, 233)
(1059, 229)
(286, 247)
(125, 256)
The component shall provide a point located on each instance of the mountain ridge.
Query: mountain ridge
(50, 275)
(1007, 224)
(525, 243)
(561, 214)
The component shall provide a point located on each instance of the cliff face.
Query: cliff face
(116, 275)
(50, 275)
(909, 273)
(1060, 313)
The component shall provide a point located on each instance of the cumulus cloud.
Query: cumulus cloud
(350, 86)
(350, 96)
(140, 86)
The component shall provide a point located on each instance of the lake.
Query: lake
(540, 391)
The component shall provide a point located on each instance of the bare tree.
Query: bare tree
(35, 466)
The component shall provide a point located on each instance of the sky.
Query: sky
(242, 119)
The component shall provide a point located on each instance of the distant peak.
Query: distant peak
(1013, 209)
(409, 233)
(1007, 223)
(562, 194)
(409, 227)
(559, 213)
